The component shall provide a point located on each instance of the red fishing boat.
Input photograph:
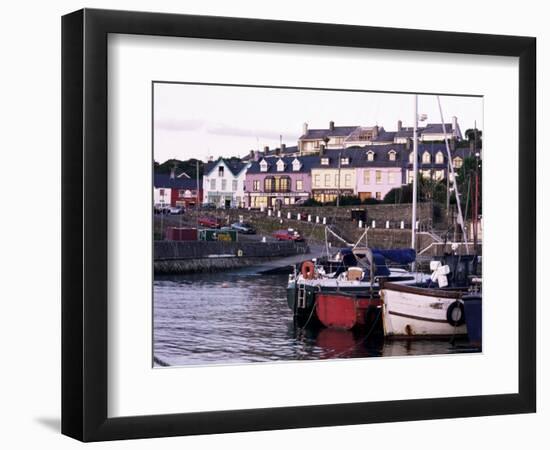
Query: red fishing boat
(348, 310)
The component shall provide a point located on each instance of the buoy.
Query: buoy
(308, 270)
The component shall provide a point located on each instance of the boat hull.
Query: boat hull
(416, 311)
(346, 311)
(472, 311)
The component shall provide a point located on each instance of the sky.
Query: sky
(202, 121)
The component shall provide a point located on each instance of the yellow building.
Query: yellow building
(327, 182)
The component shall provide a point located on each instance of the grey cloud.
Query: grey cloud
(227, 130)
(179, 125)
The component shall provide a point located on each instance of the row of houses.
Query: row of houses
(285, 180)
(366, 162)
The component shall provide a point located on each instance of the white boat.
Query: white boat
(422, 311)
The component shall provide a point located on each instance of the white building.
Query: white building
(223, 183)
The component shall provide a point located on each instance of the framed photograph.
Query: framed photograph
(273, 225)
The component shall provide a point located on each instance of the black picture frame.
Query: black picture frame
(84, 224)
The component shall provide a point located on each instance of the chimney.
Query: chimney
(277, 151)
(375, 132)
(283, 147)
(331, 125)
(257, 155)
(399, 125)
(322, 149)
(173, 172)
(304, 128)
(251, 154)
(408, 144)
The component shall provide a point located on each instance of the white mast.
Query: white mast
(415, 172)
(460, 218)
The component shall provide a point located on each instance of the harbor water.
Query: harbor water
(240, 317)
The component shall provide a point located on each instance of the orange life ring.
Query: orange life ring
(308, 270)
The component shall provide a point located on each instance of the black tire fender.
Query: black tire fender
(451, 314)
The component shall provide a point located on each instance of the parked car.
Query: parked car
(210, 222)
(164, 208)
(243, 227)
(287, 235)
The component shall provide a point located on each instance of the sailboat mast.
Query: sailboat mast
(415, 173)
(460, 218)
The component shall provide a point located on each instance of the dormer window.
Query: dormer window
(426, 158)
(344, 161)
(324, 161)
(392, 155)
(263, 166)
(280, 165)
(296, 165)
(457, 162)
(370, 155)
(439, 158)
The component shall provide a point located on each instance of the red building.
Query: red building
(180, 191)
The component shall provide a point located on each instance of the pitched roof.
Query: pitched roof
(436, 128)
(307, 163)
(163, 180)
(323, 132)
(235, 167)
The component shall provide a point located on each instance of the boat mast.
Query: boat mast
(415, 173)
(460, 218)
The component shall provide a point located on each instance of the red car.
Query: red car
(287, 235)
(210, 222)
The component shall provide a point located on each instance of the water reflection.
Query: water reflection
(235, 318)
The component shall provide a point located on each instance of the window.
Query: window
(224, 185)
(327, 180)
(379, 196)
(161, 192)
(439, 175)
(234, 185)
(410, 176)
(296, 165)
(426, 174)
(268, 184)
(378, 175)
(344, 161)
(317, 180)
(282, 184)
(457, 162)
(256, 185)
(280, 166)
(347, 180)
(370, 155)
(391, 177)
(426, 158)
(316, 144)
(263, 166)
(299, 185)
(220, 171)
(439, 158)
(366, 177)
(324, 161)
(337, 141)
(213, 184)
(391, 155)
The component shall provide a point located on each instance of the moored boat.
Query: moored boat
(347, 310)
(472, 312)
(357, 276)
(422, 311)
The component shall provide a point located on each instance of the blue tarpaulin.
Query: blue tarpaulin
(397, 255)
